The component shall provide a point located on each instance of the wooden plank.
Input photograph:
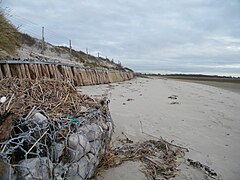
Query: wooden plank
(52, 71)
(27, 71)
(23, 71)
(52, 75)
(46, 71)
(79, 73)
(40, 71)
(7, 71)
(1, 73)
(13, 69)
(32, 71)
(58, 73)
(36, 70)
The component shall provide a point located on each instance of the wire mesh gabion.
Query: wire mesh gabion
(66, 148)
(40, 145)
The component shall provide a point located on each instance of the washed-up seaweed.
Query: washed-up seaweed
(197, 164)
(158, 156)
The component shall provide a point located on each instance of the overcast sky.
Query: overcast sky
(191, 36)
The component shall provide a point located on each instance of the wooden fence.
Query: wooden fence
(80, 76)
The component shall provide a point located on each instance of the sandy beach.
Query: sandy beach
(202, 118)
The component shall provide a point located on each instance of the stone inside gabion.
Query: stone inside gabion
(40, 148)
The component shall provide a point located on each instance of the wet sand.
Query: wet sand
(231, 84)
(203, 118)
(234, 87)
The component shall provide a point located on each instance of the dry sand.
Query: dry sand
(204, 119)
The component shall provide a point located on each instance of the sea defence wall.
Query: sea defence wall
(80, 76)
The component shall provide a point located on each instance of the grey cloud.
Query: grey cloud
(144, 34)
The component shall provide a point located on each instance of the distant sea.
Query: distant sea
(228, 74)
(230, 70)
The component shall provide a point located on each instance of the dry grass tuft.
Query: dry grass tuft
(9, 36)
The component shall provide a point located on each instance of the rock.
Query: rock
(93, 163)
(6, 171)
(40, 119)
(56, 151)
(59, 171)
(92, 131)
(91, 169)
(93, 159)
(78, 170)
(35, 168)
(78, 146)
(95, 146)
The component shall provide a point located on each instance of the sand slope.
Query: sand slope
(204, 119)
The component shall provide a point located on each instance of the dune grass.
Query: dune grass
(9, 35)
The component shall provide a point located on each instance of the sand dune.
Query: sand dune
(203, 118)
